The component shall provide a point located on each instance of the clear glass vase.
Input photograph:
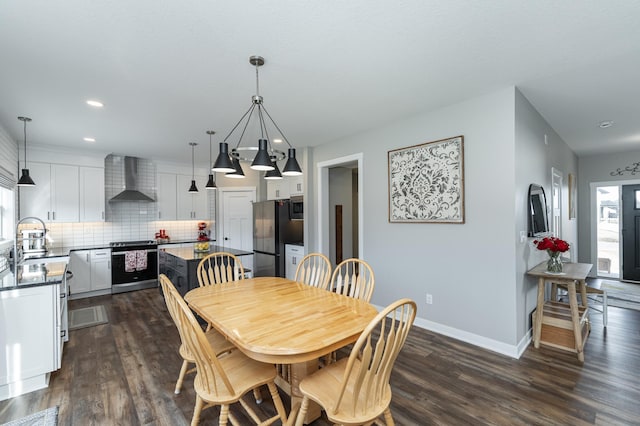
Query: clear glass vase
(554, 264)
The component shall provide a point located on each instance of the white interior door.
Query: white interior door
(237, 221)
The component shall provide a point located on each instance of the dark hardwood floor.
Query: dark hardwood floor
(124, 372)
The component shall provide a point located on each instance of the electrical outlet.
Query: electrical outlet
(429, 299)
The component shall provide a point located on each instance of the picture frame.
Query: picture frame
(573, 196)
(426, 182)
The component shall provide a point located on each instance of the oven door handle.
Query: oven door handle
(121, 253)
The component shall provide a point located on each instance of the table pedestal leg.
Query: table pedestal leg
(291, 385)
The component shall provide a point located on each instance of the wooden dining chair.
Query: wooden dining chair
(353, 278)
(214, 338)
(223, 380)
(315, 270)
(356, 390)
(219, 267)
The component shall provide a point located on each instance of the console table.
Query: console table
(561, 325)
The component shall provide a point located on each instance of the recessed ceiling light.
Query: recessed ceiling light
(89, 139)
(95, 103)
(277, 140)
(605, 124)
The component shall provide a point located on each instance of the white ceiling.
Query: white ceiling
(169, 70)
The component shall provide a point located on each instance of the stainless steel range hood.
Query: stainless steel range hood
(131, 189)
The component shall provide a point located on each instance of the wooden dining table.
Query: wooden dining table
(279, 321)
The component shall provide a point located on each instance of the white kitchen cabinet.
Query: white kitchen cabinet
(91, 194)
(278, 189)
(192, 205)
(33, 339)
(56, 195)
(167, 201)
(91, 271)
(293, 255)
(101, 269)
(295, 185)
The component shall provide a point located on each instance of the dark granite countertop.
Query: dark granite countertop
(188, 253)
(187, 241)
(32, 275)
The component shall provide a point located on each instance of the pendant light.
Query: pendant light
(193, 187)
(25, 179)
(275, 173)
(237, 173)
(211, 183)
(262, 159)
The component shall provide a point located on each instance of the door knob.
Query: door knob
(226, 238)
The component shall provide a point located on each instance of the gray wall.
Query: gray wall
(469, 268)
(476, 271)
(534, 160)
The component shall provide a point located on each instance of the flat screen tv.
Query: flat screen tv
(538, 223)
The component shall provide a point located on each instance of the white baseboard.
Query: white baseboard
(513, 351)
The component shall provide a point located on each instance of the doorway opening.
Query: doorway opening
(340, 183)
(607, 230)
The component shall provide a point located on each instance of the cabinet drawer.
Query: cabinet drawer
(100, 254)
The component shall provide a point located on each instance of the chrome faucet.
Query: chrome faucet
(16, 256)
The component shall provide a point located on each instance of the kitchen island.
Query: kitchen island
(179, 264)
(33, 325)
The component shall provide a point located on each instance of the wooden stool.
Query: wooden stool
(590, 290)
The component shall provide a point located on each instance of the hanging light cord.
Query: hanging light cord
(25, 143)
(211, 156)
(193, 164)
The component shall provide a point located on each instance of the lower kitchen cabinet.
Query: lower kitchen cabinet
(33, 339)
(178, 270)
(91, 271)
(293, 255)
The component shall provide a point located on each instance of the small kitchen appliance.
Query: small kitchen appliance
(203, 238)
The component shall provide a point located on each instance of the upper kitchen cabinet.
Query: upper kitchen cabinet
(91, 194)
(167, 194)
(56, 195)
(278, 189)
(175, 202)
(284, 188)
(295, 185)
(192, 205)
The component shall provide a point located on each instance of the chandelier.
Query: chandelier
(264, 156)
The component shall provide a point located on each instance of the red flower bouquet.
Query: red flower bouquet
(554, 246)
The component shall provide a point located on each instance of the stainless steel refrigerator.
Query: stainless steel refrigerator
(272, 229)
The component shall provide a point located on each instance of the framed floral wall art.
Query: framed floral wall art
(426, 182)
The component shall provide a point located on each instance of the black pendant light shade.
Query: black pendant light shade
(211, 183)
(262, 161)
(25, 179)
(292, 168)
(223, 162)
(193, 187)
(275, 173)
(237, 173)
